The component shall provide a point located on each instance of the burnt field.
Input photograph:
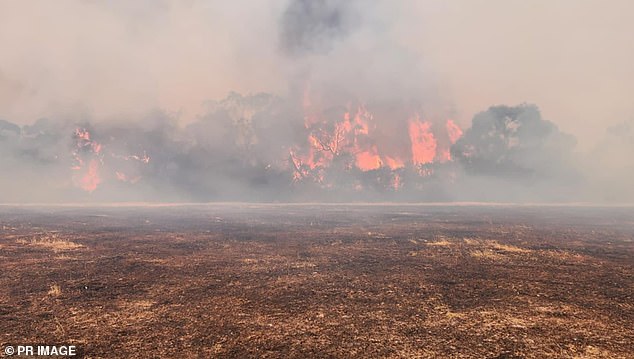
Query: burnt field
(320, 280)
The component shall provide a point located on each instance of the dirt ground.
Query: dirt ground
(302, 281)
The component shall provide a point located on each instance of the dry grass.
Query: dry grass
(492, 250)
(508, 248)
(50, 241)
(593, 352)
(302, 264)
(486, 254)
(441, 243)
(455, 315)
(565, 256)
(54, 291)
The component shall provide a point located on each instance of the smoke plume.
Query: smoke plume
(298, 100)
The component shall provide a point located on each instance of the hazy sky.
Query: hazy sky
(116, 59)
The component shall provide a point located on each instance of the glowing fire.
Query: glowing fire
(388, 154)
(86, 151)
(453, 131)
(89, 162)
(423, 142)
(368, 160)
(394, 163)
(90, 179)
(352, 141)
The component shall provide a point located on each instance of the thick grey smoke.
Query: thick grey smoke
(240, 150)
(516, 143)
(337, 101)
(312, 25)
(520, 155)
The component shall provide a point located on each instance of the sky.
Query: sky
(117, 61)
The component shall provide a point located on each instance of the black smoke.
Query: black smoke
(311, 26)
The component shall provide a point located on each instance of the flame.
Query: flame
(89, 160)
(82, 134)
(90, 180)
(453, 131)
(377, 151)
(393, 162)
(351, 140)
(350, 134)
(86, 151)
(422, 140)
(368, 160)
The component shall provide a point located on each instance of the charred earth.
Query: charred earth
(460, 281)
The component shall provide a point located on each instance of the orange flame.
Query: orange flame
(90, 180)
(393, 162)
(368, 160)
(453, 131)
(90, 152)
(423, 141)
(353, 139)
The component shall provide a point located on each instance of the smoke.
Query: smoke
(514, 142)
(244, 149)
(514, 148)
(610, 165)
(311, 26)
(334, 101)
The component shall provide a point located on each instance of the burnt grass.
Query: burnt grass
(300, 281)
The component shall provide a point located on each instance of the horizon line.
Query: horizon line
(243, 203)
